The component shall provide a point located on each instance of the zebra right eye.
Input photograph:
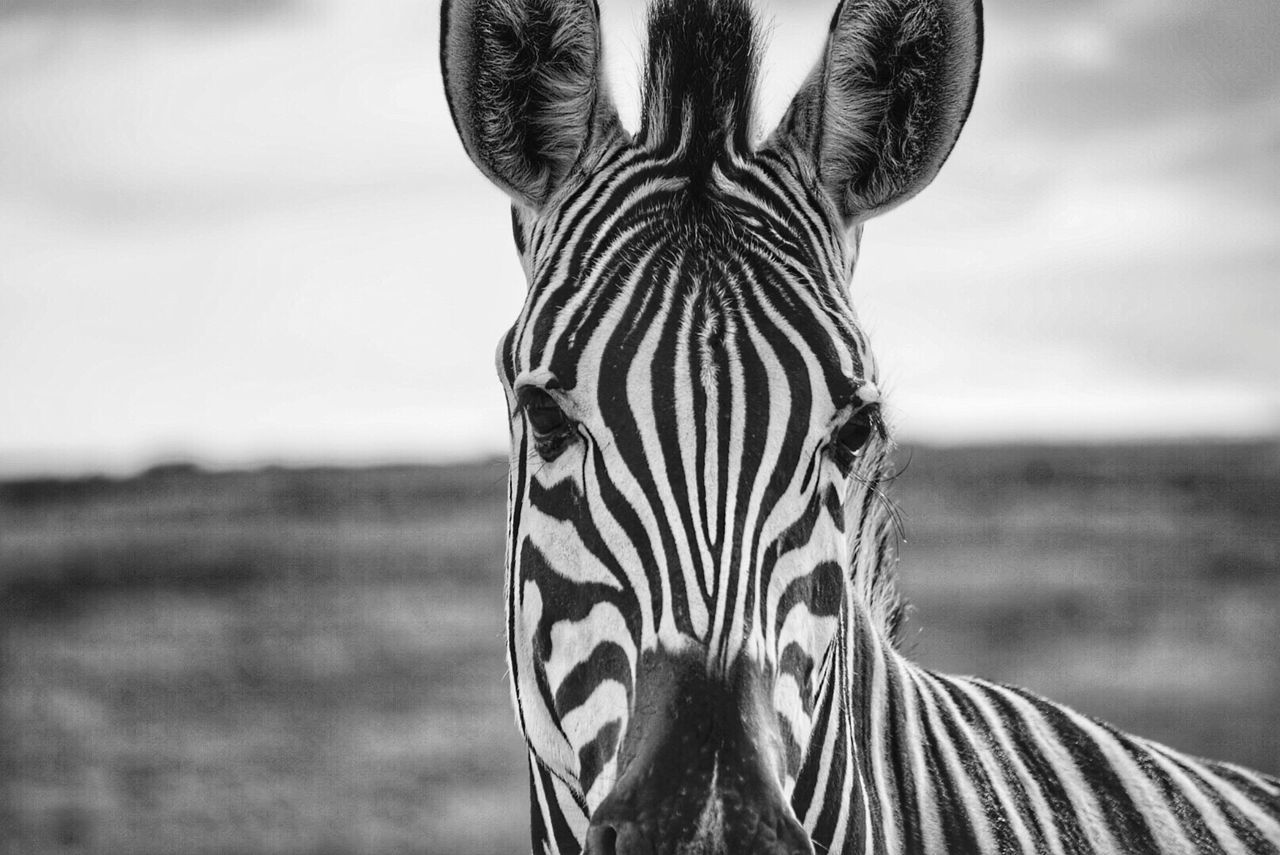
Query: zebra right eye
(852, 437)
(550, 425)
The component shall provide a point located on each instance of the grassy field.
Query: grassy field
(310, 661)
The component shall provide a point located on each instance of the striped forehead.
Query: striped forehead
(748, 255)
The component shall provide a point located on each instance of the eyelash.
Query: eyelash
(550, 426)
(851, 438)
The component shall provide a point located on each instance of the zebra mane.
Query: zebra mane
(700, 78)
(874, 528)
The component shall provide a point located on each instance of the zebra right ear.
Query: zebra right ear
(885, 104)
(524, 83)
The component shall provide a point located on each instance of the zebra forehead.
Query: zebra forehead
(702, 338)
(716, 306)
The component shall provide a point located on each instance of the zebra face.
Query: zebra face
(688, 408)
(696, 428)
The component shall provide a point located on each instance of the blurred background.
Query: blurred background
(251, 509)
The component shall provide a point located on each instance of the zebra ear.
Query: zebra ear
(885, 104)
(523, 81)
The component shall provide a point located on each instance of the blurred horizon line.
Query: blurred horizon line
(33, 466)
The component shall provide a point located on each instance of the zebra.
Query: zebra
(702, 621)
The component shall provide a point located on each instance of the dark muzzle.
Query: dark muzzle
(698, 769)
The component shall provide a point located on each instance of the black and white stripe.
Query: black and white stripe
(698, 454)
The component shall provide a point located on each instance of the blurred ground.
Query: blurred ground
(290, 661)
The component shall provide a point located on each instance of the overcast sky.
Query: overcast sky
(243, 230)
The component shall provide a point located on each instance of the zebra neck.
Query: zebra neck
(847, 791)
(906, 760)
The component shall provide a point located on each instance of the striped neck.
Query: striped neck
(909, 761)
(847, 790)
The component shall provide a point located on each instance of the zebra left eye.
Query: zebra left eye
(551, 427)
(853, 436)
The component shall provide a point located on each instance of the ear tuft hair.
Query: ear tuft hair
(884, 107)
(700, 78)
(523, 80)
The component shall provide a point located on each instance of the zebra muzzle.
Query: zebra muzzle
(698, 768)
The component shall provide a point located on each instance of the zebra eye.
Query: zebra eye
(853, 435)
(549, 423)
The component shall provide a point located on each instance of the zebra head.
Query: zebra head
(696, 434)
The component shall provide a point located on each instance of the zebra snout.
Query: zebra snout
(777, 835)
(697, 774)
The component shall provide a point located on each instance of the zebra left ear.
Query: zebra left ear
(523, 80)
(885, 104)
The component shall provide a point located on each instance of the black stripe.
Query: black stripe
(863, 690)
(1124, 817)
(824, 712)
(1010, 782)
(956, 830)
(565, 839)
(595, 754)
(1249, 835)
(910, 822)
(1250, 789)
(607, 661)
(537, 826)
(824, 827)
(1187, 814)
(1034, 757)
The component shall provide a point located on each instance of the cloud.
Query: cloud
(195, 11)
(1086, 67)
(192, 123)
(266, 240)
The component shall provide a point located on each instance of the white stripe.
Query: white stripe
(890, 810)
(927, 806)
(564, 550)
(974, 808)
(1164, 826)
(573, 642)
(582, 723)
(1082, 796)
(1043, 813)
(995, 775)
(687, 432)
(639, 386)
(1207, 810)
(1265, 822)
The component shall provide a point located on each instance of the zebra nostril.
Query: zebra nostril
(617, 838)
(601, 840)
